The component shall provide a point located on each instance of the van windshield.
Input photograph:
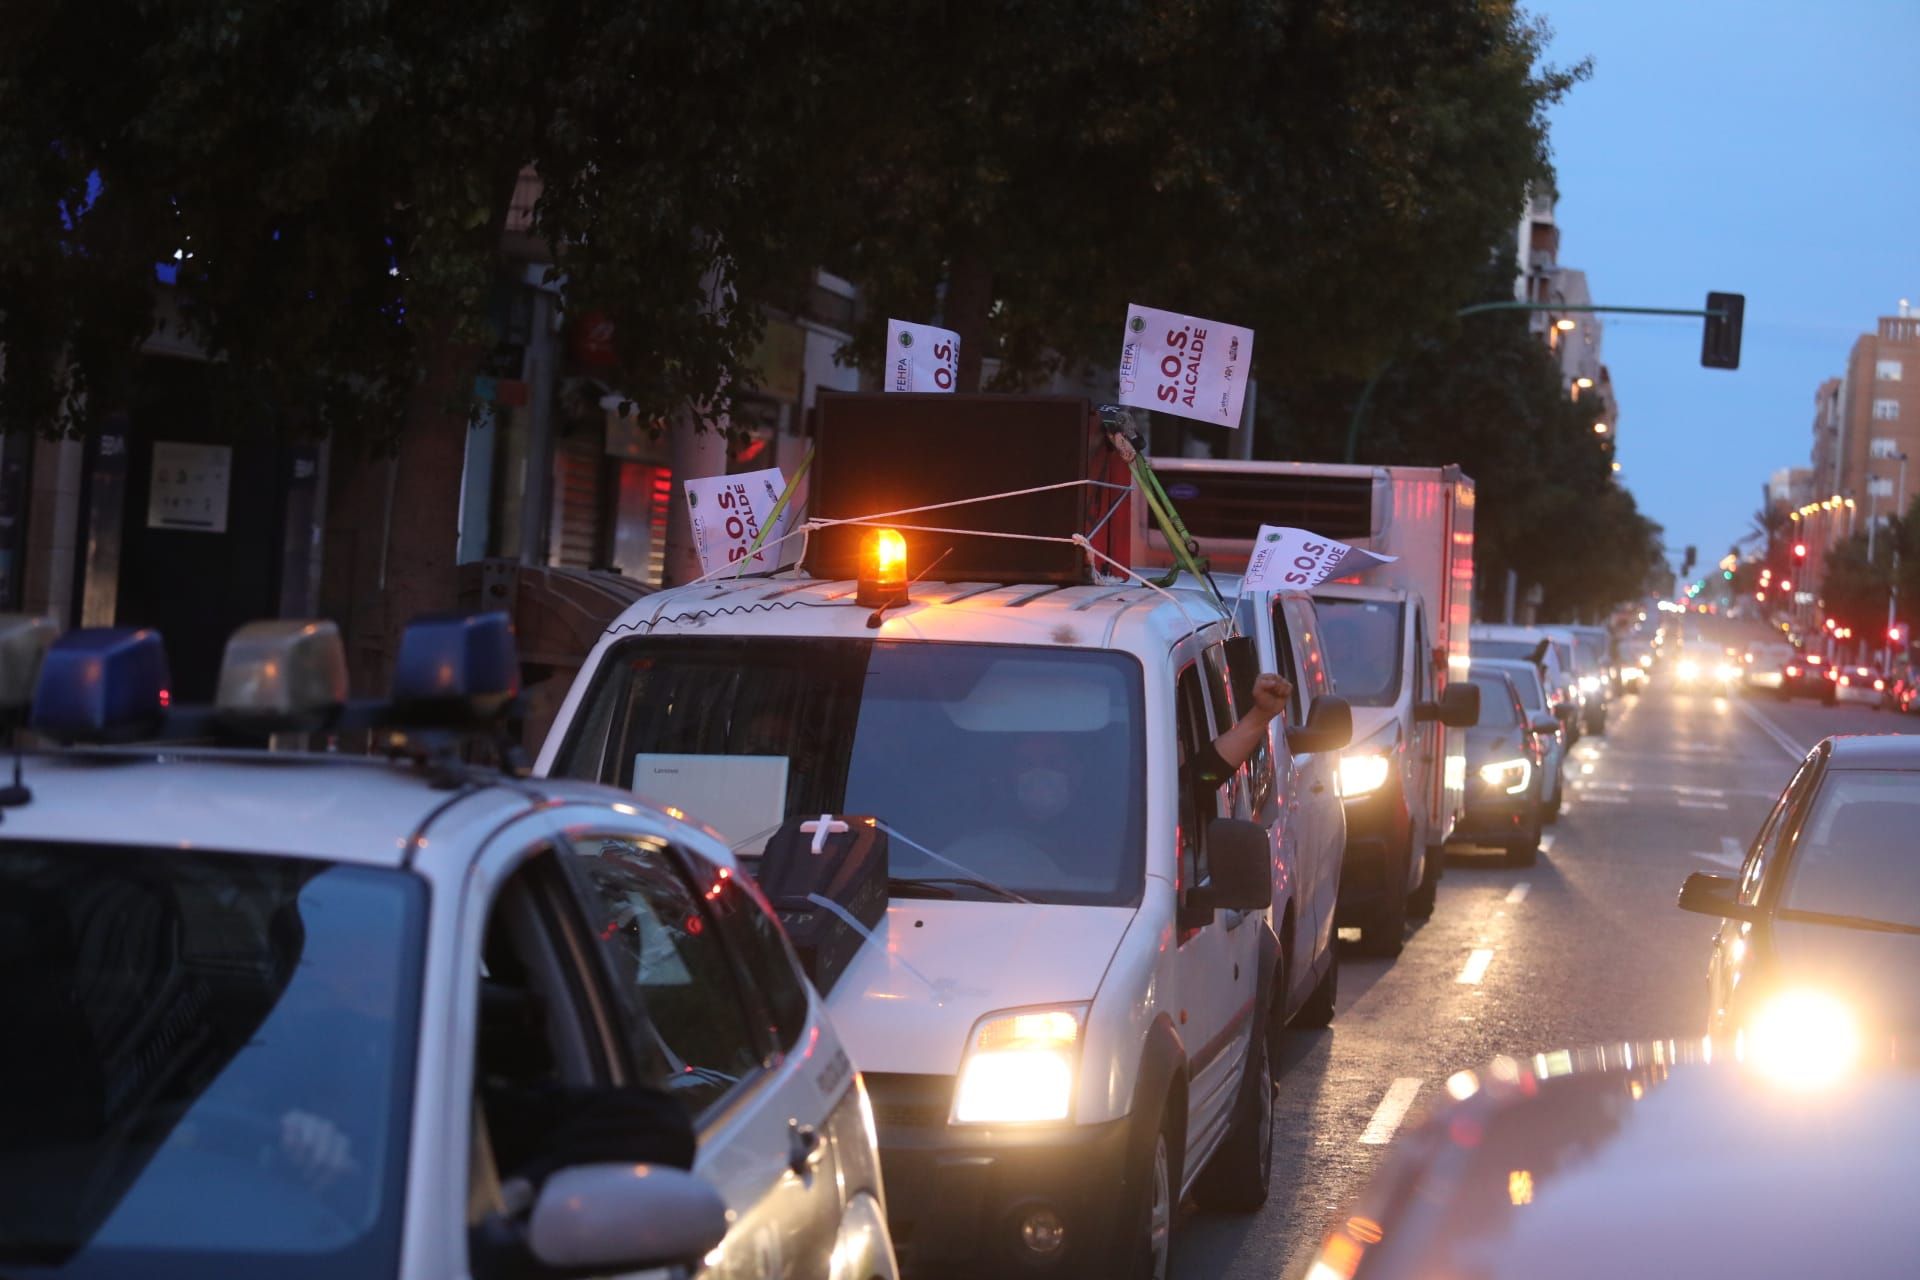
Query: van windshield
(1017, 767)
(1361, 639)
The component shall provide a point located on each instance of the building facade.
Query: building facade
(1878, 418)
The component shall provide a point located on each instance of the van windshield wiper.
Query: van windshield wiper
(967, 875)
(1865, 923)
(940, 887)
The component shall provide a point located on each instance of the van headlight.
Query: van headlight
(1800, 1039)
(1019, 1067)
(1363, 772)
(1511, 776)
(1589, 684)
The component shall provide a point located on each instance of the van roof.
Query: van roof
(1104, 616)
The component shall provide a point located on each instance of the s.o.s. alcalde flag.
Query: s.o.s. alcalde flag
(726, 513)
(1287, 558)
(1185, 365)
(921, 357)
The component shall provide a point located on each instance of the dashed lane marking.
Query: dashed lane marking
(1793, 749)
(1519, 892)
(1720, 805)
(1391, 1111)
(1476, 967)
(1546, 843)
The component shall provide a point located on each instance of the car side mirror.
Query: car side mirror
(1458, 707)
(1711, 895)
(1329, 727)
(1240, 864)
(1543, 723)
(596, 1219)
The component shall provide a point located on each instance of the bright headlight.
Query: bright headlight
(1363, 772)
(1688, 669)
(1801, 1039)
(1646, 659)
(1019, 1068)
(1512, 776)
(1590, 684)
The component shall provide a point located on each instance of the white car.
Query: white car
(300, 1014)
(1058, 1009)
(1553, 746)
(1860, 684)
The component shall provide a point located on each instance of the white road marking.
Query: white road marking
(1720, 805)
(1391, 1111)
(1519, 892)
(1477, 963)
(1604, 797)
(1729, 855)
(1732, 847)
(1546, 843)
(1793, 749)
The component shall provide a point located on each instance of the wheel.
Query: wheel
(1550, 808)
(1386, 932)
(1236, 1178)
(1525, 851)
(1148, 1226)
(1420, 901)
(1318, 1010)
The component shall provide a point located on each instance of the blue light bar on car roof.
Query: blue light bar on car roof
(102, 684)
(455, 669)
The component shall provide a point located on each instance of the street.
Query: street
(1585, 948)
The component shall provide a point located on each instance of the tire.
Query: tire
(1420, 901)
(1317, 1012)
(1385, 933)
(1148, 1226)
(1237, 1177)
(1525, 851)
(1550, 808)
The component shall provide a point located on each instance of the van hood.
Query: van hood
(933, 968)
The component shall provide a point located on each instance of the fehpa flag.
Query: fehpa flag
(921, 357)
(726, 513)
(1185, 365)
(1287, 558)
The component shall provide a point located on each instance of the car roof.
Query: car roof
(1563, 1166)
(1107, 616)
(1874, 751)
(360, 810)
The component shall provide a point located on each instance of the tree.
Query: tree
(329, 183)
(1332, 175)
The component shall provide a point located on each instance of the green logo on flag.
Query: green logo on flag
(906, 339)
(1136, 324)
(693, 499)
(1273, 537)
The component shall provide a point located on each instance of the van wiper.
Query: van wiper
(1866, 923)
(939, 887)
(968, 876)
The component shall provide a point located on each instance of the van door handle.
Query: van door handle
(804, 1147)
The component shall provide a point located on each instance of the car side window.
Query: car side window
(683, 1003)
(1283, 650)
(1242, 669)
(1200, 799)
(772, 971)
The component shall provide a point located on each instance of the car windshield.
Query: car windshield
(221, 1066)
(1496, 703)
(1856, 854)
(1008, 765)
(1592, 648)
(1362, 639)
(1520, 649)
(1527, 680)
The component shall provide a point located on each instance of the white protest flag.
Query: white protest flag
(1185, 365)
(1285, 557)
(727, 512)
(921, 357)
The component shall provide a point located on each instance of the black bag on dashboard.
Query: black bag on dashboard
(819, 895)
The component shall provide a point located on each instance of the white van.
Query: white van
(1058, 1013)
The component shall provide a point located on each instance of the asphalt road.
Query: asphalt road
(1585, 948)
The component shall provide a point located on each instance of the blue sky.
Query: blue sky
(1764, 148)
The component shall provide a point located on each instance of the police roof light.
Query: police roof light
(24, 639)
(456, 669)
(883, 570)
(282, 676)
(102, 684)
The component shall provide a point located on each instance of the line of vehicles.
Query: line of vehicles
(889, 912)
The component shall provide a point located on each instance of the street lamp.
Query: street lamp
(1599, 428)
(1565, 325)
(1585, 384)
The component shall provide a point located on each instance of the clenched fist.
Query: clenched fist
(1270, 694)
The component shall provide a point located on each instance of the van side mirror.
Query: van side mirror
(596, 1219)
(1458, 707)
(1329, 727)
(1709, 895)
(1240, 866)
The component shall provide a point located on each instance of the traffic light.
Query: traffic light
(1720, 340)
(1687, 561)
(1893, 634)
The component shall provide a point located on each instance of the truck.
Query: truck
(1396, 641)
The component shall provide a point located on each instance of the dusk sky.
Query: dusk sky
(1764, 148)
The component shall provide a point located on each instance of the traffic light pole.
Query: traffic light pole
(1713, 315)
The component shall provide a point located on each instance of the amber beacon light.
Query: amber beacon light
(883, 570)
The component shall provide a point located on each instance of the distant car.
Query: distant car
(1504, 773)
(1903, 689)
(1829, 895)
(1498, 640)
(1553, 747)
(1594, 667)
(1861, 684)
(1763, 663)
(1702, 668)
(1808, 675)
(1783, 1155)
